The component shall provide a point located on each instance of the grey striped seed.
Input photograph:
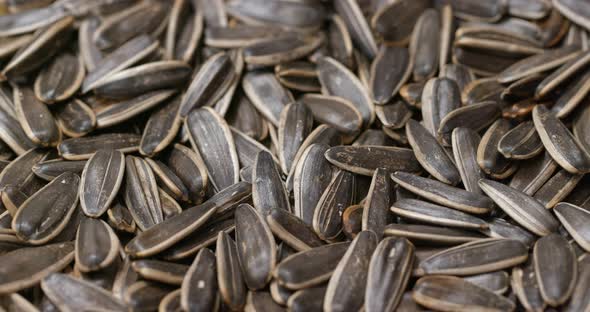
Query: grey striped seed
(97, 245)
(357, 25)
(524, 209)
(364, 160)
(422, 211)
(123, 110)
(104, 168)
(500, 228)
(579, 300)
(533, 174)
(575, 219)
(557, 188)
(232, 288)
(184, 31)
(311, 177)
(328, 213)
(309, 299)
(292, 230)
(525, 286)
(286, 48)
(556, 275)
(160, 271)
(75, 118)
(498, 281)
(84, 147)
(295, 124)
(429, 234)
(489, 159)
(464, 142)
(474, 116)
(141, 193)
(389, 71)
(268, 190)
(255, 245)
(375, 208)
(393, 25)
(35, 118)
(333, 111)
(521, 142)
(60, 79)
(168, 180)
(424, 44)
(198, 240)
(267, 94)
(483, 256)
(199, 286)
(440, 96)
(189, 167)
(394, 115)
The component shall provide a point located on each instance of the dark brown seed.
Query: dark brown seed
(428, 234)
(11, 132)
(104, 168)
(533, 174)
(572, 96)
(462, 75)
(477, 257)
(244, 117)
(45, 214)
(190, 169)
(475, 116)
(35, 118)
(255, 245)
(292, 230)
(464, 143)
(232, 288)
(168, 180)
(247, 148)
(525, 286)
(338, 80)
(556, 275)
(121, 111)
(559, 142)
(422, 211)
(75, 118)
(500, 228)
(579, 300)
(273, 51)
(424, 45)
(268, 190)
(97, 245)
(328, 213)
(389, 273)
(578, 12)
(299, 76)
(266, 93)
(280, 15)
(521, 142)
(236, 37)
(489, 159)
(480, 90)
(498, 281)
(334, 111)
(30, 20)
(565, 72)
(199, 286)
(345, 289)
(340, 42)
(160, 271)
(143, 295)
(357, 25)
(312, 176)
(440, 96)
(208, 84)
(258, 301)
(524, 209)
(395, 20)
(212, 139)
(443, 194)
(61, 79)
(575, 219)
(184, 31)
(364, 160)
(375, 208)
(449, 293)
(522, 89)
(295, 124)
(557, 188)
(394, 115)
(90, 53)
(309, 299)
(84, 147)
(412, 93)
(124, 56)
(389, 71)
(25, 267)
(72, 294)
(141, 193)
(170, 302)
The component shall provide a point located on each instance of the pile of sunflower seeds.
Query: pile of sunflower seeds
(301, 155)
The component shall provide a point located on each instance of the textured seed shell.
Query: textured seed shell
(464, 142)
(500, 228)
(295, 124)
(256, 246)
(309, 268)
(522, 142)
(357, 25)
(422, 211)
(84, 147)
(498, 281)
(35, 118)
(557, 188)
(45, 214)
(30, 20)
(449, 293)
(143, 295)
(579, 300)
(439, 97)
(333, 111)
(525, 210)
(428, 234)
(312, 176)
(576, 11)
(198, 291)
(364, 160)
(575, 219)
(72, 294)
(338, 80)
(424, 45)
(564, 73)
(389, 273)
(97, 245)
(395, 26)
(141, 193)
(104, 168)
(533, 174)
(467, 259)
(267, 94)
(375, 208)
(232, 288)
(394, 115)
(268, 190)
(389, 71)
(475, 116)
(328, 213)
(89, 52)
(190, 169)
(61, 79)
(25, 267)
(307, 299)
(443, 194)
(184, 31)
(211, 137)
(289, 47)
(75, 118)
(160, 271)
(489, 159)
(556, 276)
(288, 15)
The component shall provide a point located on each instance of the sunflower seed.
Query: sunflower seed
(273, 51)
(84, 147)
(489, 159)
(524, 209)
(328, 213)
(267, 94)
(392, 25)
(141, 193)
(373, 157)
(412, 93)
(443, 194)
(308, 16)
(35, 118)
(357, 25)
(292, 230)
(89, 52)
(578, 12)
(340, 41)
(334, 111)
(312, 166)
(185, 28)
(573, 219)
(449, 293)
(97, 245)
(394, 115)
(375, 207)
(422, 211)
(431, 234)
(500, 228)
(424, 43)
(440, 96)
(200, 282)
(557, 188)
(309, 299)
(67, 66)
(160, 271)
(232, 288)
(389, 71)
(579, 299)
(268, 190)
(105, 168)
(556, 278)
(142, 295)
(566, 71)
(475, 116)
(295, 124)
(189, 167)
(498, 281)
(75, 118)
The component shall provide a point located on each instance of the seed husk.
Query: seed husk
(266, 93)
(141, 193)
(143, 294)
(268, 190)
(244, 117)
(198, 291)
(256, 246)
(389, 71)
(232, 288)
(467, 259)
(563, 73)
(388, 274)
(449, 293)
(309, 299)
(312, 176)
(475, 116)
(350, 275)
(104, 168)
(84, 147)
(422, 211)
(340, 41)
(500, 228)
(299, 76)
(357, 25)
(579, 299)
(375, 208)
(464, 142)
(498, 281)
(573, 219)
(393, 25)
(524, 209)
(364, 160)
(559, 142)
(295, 124)
(89, 52)
(575, 11)
(72, 294)
(97, 245)
(75, 118)
(412, 93)
(61, 79)
(338, 80)
(443, 194)
(273, 51)
(247, 148)
(170, 302)
(394, 115)
(160, 271)
(27, 266)
(521, 142)
(556, 276)
(428, 234)
(292, 230)
(533, 174)
(45, 214)
(334, 111)
(328, 213)
(440, 97)
(557, 188)
(424, 45)
(489, 159)
(190, 169)
(35, 118)
(184, 31)
(280, 14)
